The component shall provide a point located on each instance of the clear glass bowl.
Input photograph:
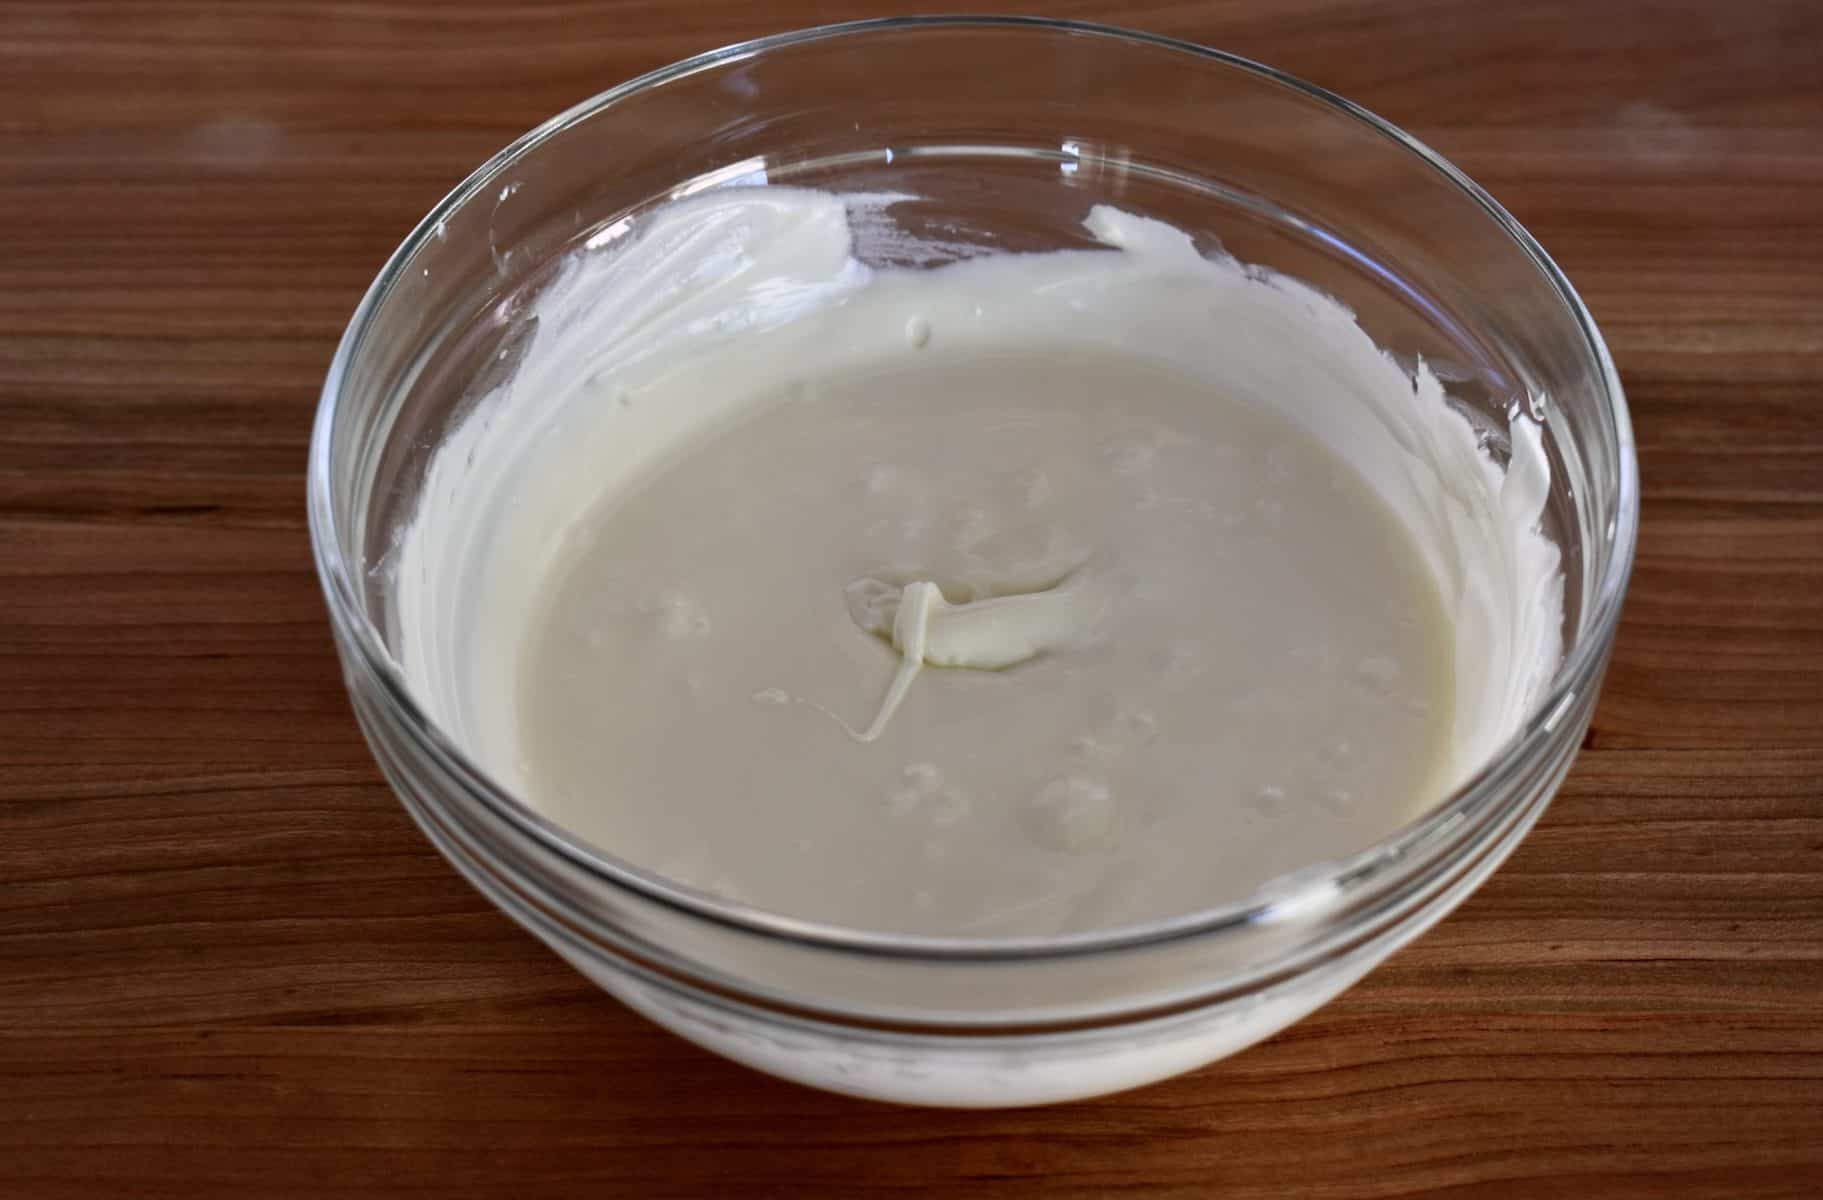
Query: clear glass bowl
(1006, 131)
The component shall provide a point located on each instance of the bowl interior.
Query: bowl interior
(1000, 136)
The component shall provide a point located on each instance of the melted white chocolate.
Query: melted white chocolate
(982, 635)
(1147, 576)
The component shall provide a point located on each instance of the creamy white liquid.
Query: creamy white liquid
(1260, 676)
(1219, 592)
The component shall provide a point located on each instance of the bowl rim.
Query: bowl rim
(1296, 893)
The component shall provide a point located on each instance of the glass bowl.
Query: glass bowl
(1004, 132)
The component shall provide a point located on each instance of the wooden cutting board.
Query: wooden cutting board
(229, 966)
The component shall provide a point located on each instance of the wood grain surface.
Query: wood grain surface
(229, 966)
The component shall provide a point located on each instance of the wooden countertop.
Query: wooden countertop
(230, 966)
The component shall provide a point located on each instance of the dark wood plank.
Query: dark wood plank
(230, 966)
